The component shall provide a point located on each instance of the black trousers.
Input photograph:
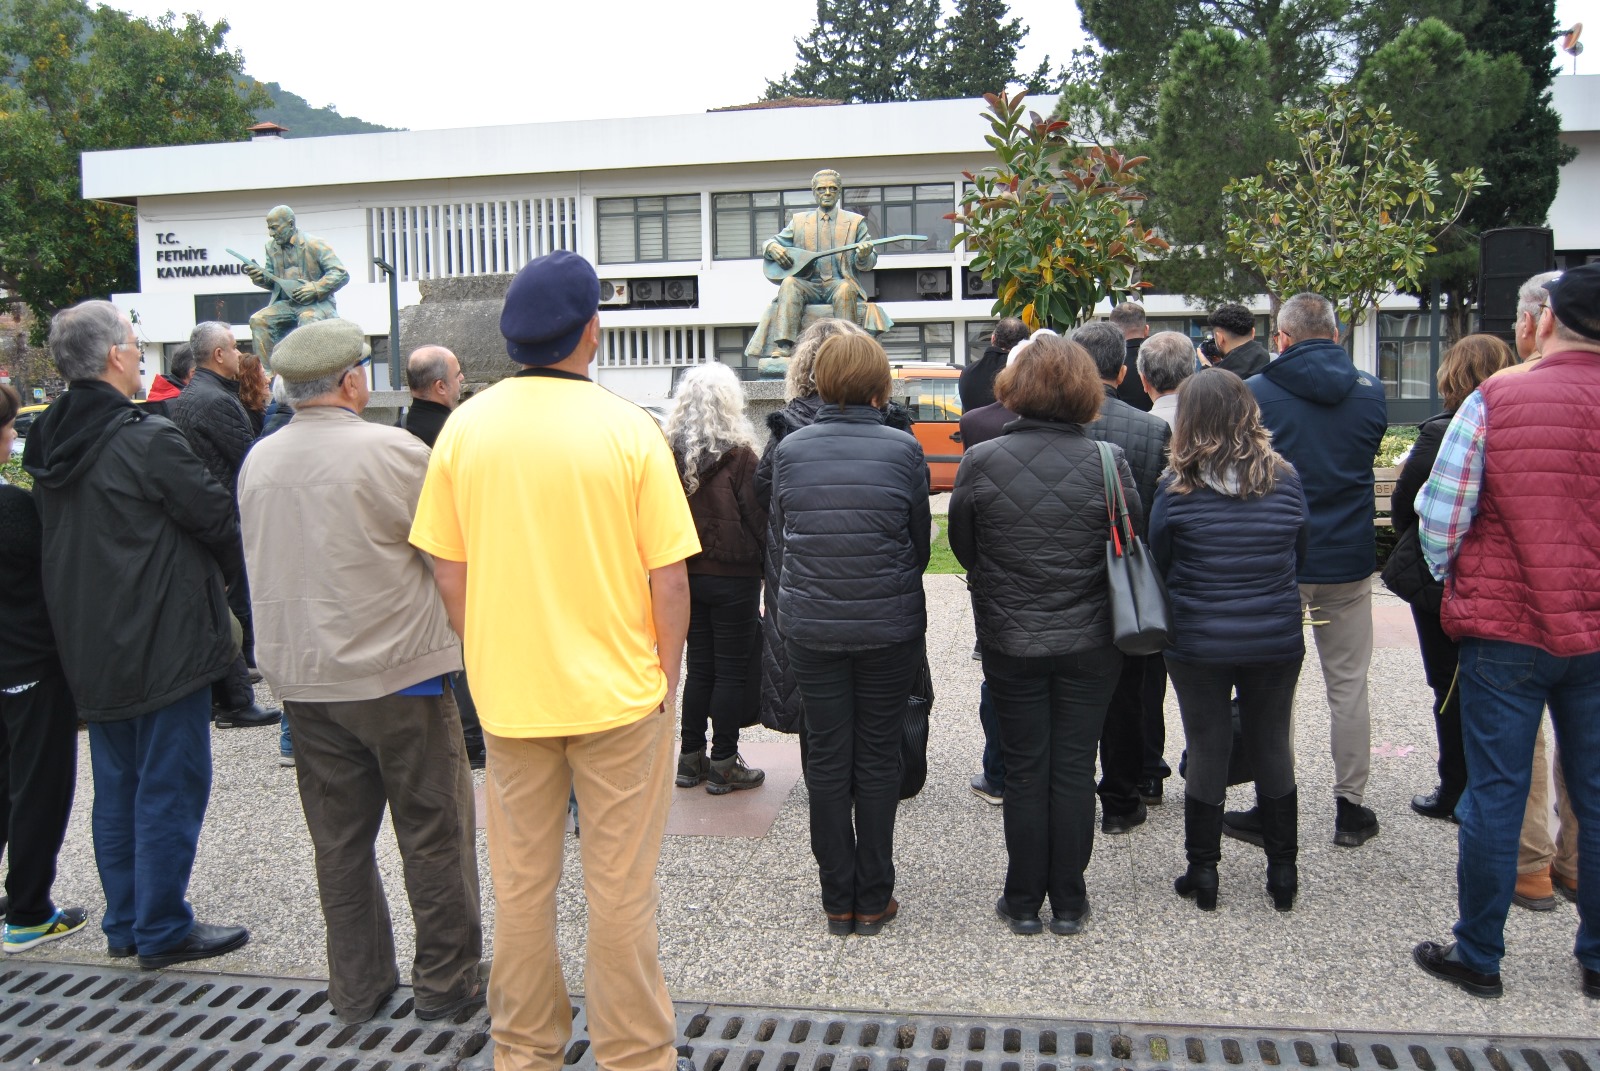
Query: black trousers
(854, 720)
(723, 638)
(1439, 656)
(1266, 718)
(1124, 742)
(1050, 711)
(38, 771)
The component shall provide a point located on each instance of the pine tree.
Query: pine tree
(863, 51)
(977, 53)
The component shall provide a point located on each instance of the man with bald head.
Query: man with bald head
(435, 377)
(309, 272)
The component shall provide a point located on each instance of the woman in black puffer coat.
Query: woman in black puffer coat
(1228, 530)
(850, 499)
(1028, 520)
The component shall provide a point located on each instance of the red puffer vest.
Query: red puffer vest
(1529, 568)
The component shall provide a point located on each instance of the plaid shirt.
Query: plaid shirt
(1449, 500)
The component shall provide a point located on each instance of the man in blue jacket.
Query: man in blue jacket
(1327, 418)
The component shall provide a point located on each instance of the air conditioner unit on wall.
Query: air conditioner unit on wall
(681, 290)
(647, 289)
(613, 291)
(977, 286)
(933, 281)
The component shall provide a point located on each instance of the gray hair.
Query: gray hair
(1308, 316)
(1106, 344)
(706, 421)
(207, 337)
(1532, 295)
(279, 391)
(1128, 316)
(181, 364)
(1166, 359)
(426, 366)
(297, 394)
(800, 381)
(82, 336)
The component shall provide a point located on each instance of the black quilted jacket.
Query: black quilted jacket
(1028, 520)
(1144, 440)
(850, 497)
(212, 418)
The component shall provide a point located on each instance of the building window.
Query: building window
(978, 336)
(920, 342)
(637, 230)
(745, 222)
(906, 210)
(730, 343)
(1406, 353)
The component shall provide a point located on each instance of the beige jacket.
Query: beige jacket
(345, 607)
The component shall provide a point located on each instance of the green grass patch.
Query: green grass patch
(942, 559)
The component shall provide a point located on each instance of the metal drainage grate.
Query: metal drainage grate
(726, 1038)
(61, 1016)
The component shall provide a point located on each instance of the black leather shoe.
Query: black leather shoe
(1023, 926)
(1354, 824)
(1431, 958)
(1434, 806)
(1245, 826)
(247, 717)
(1123, 823)
(1151, 791)
(1591, 984)
(1067, 925)
(203, 942)
(121, 951)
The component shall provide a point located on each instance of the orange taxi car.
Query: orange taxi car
(928, 391)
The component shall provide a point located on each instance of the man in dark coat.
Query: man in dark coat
(1125, 788)
(1129, 318)
(1327, 418)
(1234, 329)
(976, 385)
(219, 431)
(138, 541)
(164, 388)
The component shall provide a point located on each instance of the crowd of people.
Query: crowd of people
(554, 546)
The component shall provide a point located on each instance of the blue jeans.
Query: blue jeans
(1504, 687)
(152, 781)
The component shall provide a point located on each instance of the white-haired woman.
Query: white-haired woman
(714, 445)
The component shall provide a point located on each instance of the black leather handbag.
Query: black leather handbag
(914, 740)
(1140, 619)
(1406, 573)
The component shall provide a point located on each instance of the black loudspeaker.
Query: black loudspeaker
(1507, 258)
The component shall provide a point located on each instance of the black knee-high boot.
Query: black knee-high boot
(1280, 834)
(1202, 842)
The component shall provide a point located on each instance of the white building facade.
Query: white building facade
(672, 211)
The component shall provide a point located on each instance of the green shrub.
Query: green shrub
(11, 471)
(1396, 441)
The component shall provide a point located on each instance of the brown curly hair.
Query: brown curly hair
(1468, 363)
(255, 390)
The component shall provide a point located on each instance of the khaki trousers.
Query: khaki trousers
(623, 780)
(1344, 647)
(403, 754)
(1537, 849)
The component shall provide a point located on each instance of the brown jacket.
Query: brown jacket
(345, 607)
(731, 524)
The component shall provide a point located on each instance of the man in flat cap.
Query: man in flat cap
(1510, 520)
(351, 633)
(559, 531)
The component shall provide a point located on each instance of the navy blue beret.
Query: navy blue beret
(549, 303)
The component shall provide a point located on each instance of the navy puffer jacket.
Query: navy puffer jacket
(1230, 566)
(850, 499)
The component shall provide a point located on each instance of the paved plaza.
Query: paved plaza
(741, 921)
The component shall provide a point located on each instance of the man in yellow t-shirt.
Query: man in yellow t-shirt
(559, 530)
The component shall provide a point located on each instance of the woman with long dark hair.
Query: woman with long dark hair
(714, 446)
(1228, 530)
(1462, 368)
(1028, 520)
(850, 497)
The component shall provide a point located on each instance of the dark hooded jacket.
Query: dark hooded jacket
(976, 385)
(137, 539)
(1246, 359)
(216, 423)
(1327, 418)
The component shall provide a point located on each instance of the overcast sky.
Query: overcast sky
(486, 62)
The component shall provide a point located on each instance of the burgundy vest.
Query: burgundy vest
(1529, 568)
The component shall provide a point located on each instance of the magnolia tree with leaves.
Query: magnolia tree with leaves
(1353, 217)
(1052, 221)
